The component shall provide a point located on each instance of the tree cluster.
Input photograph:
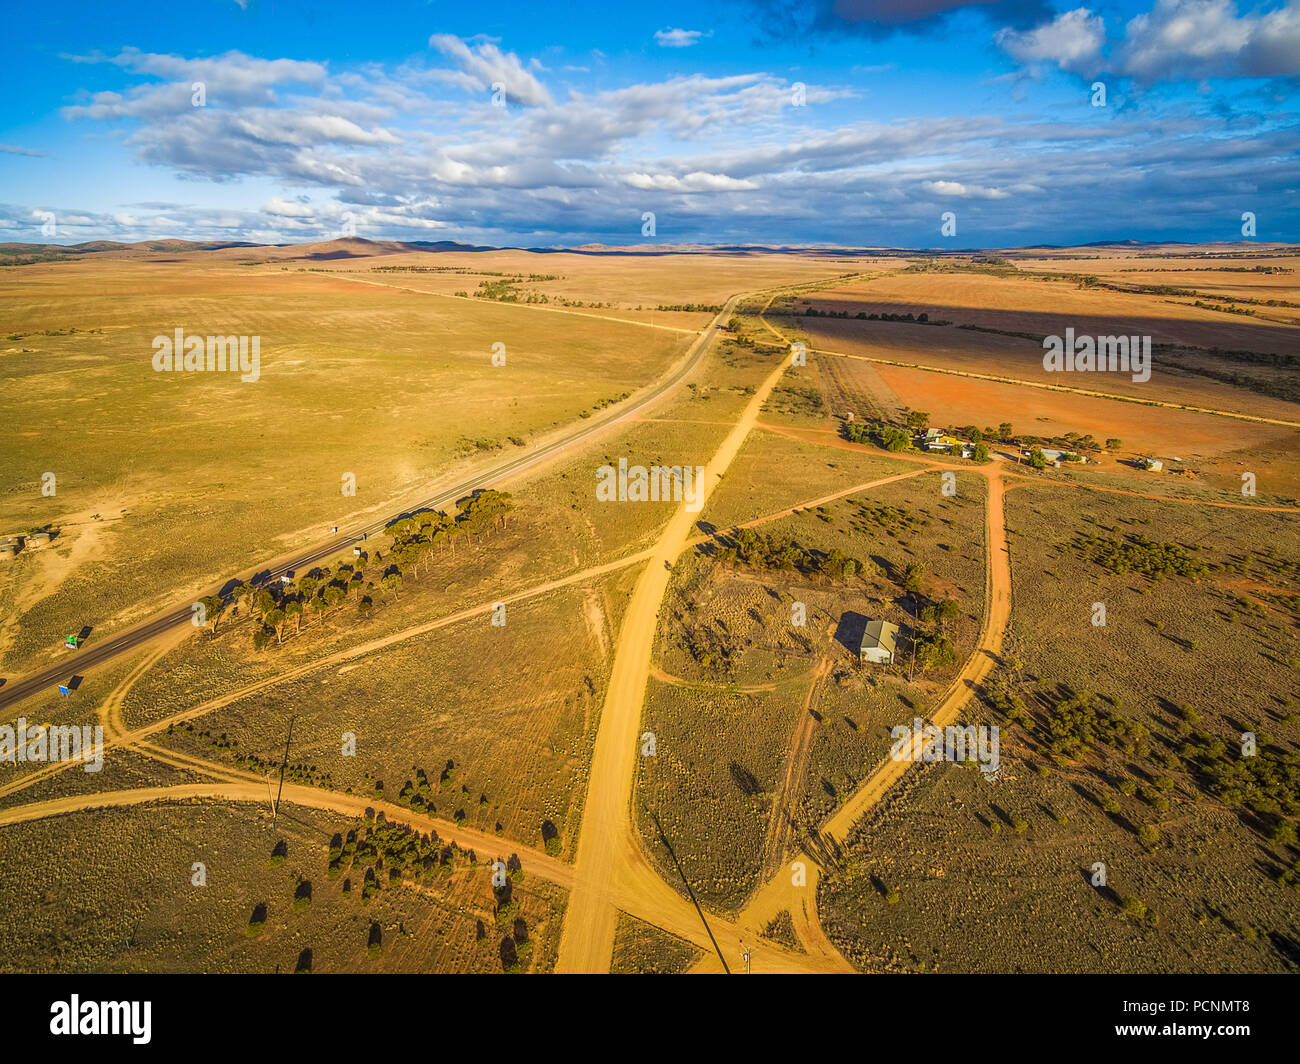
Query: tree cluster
(755, 550)
(1140, 555)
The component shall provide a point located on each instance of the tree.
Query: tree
(275, 618)
(212, 607)
(941, 612)
(480, 512)
(264, 603)
(1037, 459)
(1113, 443)
(392, 583)
(293, 611)
(1004, 431)
(918, 420)
(913, 575)
(444, 528)
(243, 594)
(895, 440)
(256, 921)
(981, 452)
(302, 896)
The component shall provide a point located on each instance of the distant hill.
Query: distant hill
(92, 246)
(343, 248)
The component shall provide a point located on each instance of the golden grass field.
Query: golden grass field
(981, 867)
(169, 484)
(128, 902)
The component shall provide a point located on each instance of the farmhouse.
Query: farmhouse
(879, 641)
(942, 442)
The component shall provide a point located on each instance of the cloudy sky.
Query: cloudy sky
(855, 122)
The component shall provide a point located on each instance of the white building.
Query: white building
(879, 641)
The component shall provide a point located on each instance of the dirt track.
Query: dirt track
(607, 847)
(997, 611)
(535, 862)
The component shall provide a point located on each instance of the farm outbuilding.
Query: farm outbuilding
(943, 442)
(879, 642)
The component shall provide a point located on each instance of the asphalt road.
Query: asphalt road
(78, 662)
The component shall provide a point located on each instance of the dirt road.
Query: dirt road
(484, 846)
(607, 844)
(997, 612)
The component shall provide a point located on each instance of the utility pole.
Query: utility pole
(275, 809)
(914, 620)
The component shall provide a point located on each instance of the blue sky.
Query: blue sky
(854, 122)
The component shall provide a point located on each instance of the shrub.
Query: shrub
(256, 921)
(1134, 907)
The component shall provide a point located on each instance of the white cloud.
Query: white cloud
(484, 64)
(696, 181)
(945, 188)
(1207, 38)
(1177, 40)
(673, 38)
(962, 191)
(1073, 41)
(284, 208)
